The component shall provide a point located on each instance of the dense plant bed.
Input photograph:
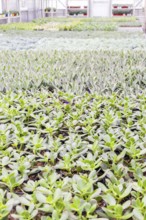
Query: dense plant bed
(18, 26)
(71, 23)
(86, 26)
(77, 11)
(69, 19)
(131, 24)
(122, 11)
(72, 157)
(72, 135)
(92, 71)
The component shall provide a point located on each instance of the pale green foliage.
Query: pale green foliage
(99, 71)
(72, 157)
(72, 24)
(90, 26)
(73, 135)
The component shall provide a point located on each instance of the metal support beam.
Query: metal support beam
(88, 9)
(35, 8)
(8, 10)
(144, 25)
(62, 3)
(1, 6)
(52, 12)
(42, 13)
(19, 6)
(110, 8)
(66, 11)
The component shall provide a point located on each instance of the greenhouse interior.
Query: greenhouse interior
(72, 109)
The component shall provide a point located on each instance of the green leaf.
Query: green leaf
(144, 200)
(126, 192)
(96, 193)
(126, 204)
(65, 216)
(102, 187)
(40, 197)
(137, 214)
(5, 161)
(24, 201)
(107, 138)
(109, 199)
(57, 194)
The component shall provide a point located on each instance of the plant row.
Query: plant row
(102, 72)
(68, 157)
(91, 24)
